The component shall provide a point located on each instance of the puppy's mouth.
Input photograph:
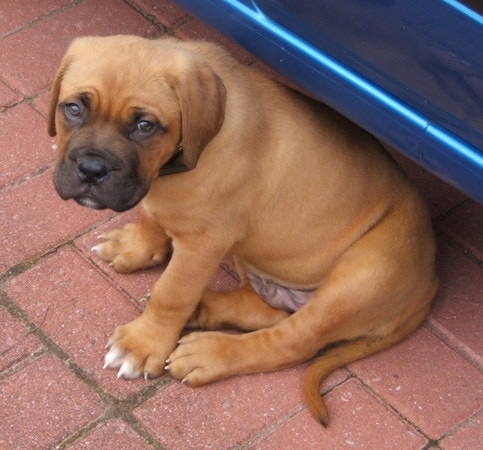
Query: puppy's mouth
(108, 195)
(103, 197)
(90, 202)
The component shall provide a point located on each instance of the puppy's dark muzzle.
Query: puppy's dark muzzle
(92, 169)
(97, 178)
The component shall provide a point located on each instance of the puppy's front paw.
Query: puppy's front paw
(132, 248)
(139, 348)
(203, 357)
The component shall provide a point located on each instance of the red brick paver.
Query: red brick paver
(59, 303)
(420, 378)
(16, 143)
(17, 344)
(116, 434)
(43, 403)
(8, 96)
(358, 420)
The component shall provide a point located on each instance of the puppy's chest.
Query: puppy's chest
(166, 207)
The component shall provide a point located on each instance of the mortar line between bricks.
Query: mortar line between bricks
(443, 336)
(91, 427)
(169, 29)
(27, 99)
(22, 98)
(453, 209)
(114, 407)
(19, 314)
(17, 269)
(285, 419)
(270, 429)
(459, 426)
(42, 17)
(104, 274)
(26, 178)
(148, 16)
(6, 108)
(389, 405)
(82, 432)
(144, 432)
(122, 411)
(23, 266)
(184, 21)
(52, 347)
(458, 246)
(19, 365)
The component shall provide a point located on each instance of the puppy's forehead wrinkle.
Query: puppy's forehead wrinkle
(123, 105)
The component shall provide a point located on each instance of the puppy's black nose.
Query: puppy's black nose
(92, 169)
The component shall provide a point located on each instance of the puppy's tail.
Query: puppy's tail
(331, 360)
(340, 355)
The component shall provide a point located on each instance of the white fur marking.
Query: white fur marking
(114, 358)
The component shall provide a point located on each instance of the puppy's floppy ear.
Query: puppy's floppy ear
(202, 98)
(54, 95)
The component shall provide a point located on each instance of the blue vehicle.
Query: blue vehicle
(408, 71)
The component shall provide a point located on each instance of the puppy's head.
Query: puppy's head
(122, 107)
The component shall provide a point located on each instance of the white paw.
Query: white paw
(128, 371)
(115, 358)
(97, 249)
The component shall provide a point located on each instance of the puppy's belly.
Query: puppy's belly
(277, 295)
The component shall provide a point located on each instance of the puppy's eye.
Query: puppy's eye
(73, 110)
(74, 113)
(145, 127)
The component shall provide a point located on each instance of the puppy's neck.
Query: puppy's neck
(175, 164)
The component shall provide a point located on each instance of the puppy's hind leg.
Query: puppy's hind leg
(242, 309)
(372, 298)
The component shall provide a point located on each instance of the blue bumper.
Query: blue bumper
(408, 71)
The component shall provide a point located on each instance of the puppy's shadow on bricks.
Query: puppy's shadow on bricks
(332, 244)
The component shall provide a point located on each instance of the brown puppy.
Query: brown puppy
(333, 246)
